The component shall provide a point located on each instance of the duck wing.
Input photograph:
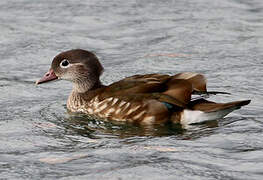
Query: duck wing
(176, 90)
(148, 83)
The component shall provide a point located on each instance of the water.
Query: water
(40, 140)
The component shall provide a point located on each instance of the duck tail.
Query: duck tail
(202, 110)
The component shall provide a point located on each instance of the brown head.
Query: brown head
(78, 66)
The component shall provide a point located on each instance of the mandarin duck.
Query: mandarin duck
(142, 99)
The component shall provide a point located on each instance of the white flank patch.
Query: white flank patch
(191, 117)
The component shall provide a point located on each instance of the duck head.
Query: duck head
(78, 66)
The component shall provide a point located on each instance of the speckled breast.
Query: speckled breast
(114, 108)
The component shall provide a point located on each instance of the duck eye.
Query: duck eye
(64, 63)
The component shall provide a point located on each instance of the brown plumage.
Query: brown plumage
(144, 99)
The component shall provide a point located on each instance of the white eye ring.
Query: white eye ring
(64, 63)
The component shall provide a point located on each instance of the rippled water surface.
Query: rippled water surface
(40, 140)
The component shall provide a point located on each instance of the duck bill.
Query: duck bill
(49, 76)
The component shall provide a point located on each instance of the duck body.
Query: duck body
(142, 99)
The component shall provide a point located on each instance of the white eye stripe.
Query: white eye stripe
(70, 64)
(64, 63)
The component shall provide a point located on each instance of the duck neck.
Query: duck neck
(81, 94)
(83, 88)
